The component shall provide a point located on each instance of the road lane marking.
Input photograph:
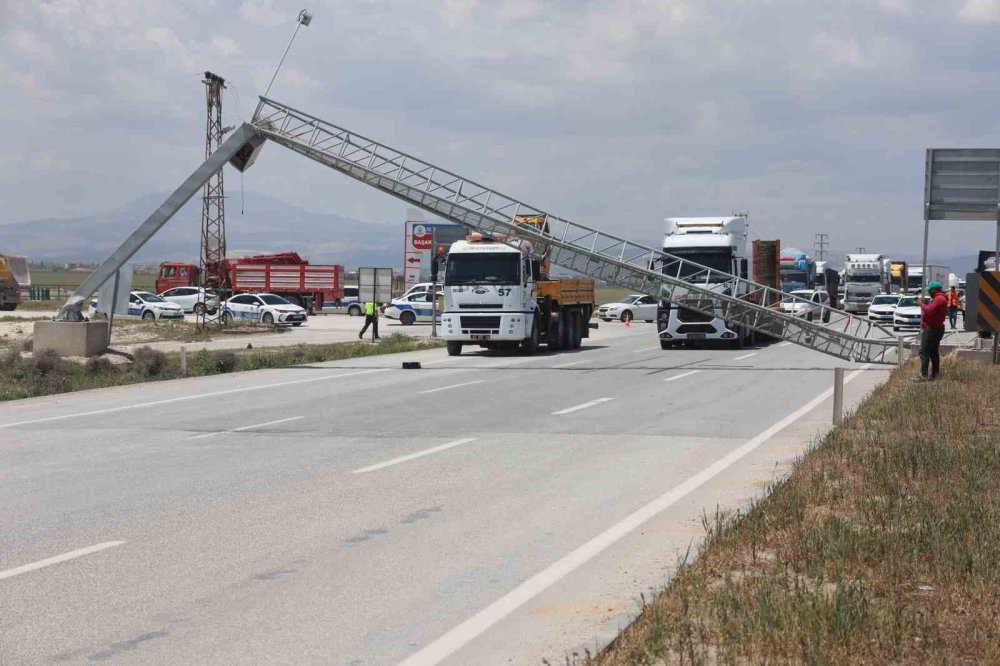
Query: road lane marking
(784, 344)
(199, 396)
(583, 406)
(249, 427)
(569, 365)
(740, 358)
(682, 375)
(65, 557)
(464, 633)
(646, 349)
(445, 388)
(412, 456)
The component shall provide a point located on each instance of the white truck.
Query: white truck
(716, 242)
(865, 276)
(915, 277)
(498, 296)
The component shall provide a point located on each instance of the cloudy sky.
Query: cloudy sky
(813, 116)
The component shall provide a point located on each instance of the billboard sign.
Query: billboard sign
(418, 244)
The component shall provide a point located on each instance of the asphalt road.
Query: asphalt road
(486, 509)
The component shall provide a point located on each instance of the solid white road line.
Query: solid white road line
(784, 344)
(682, 375)
(445, 388)
(418, 454)
(65, 557)
(740, 358)
(646, 349)
(569, 365)
(583, 406)
(198, 396)
(249, 427)
(464, 633)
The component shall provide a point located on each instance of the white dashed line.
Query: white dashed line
(445, 388)
(784, 344)
(249, 427)
(740, 358)
(583, 406)
(568, 365)
(65, 557)
(682, 375)
(418, 454)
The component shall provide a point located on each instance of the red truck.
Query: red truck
(285, 274)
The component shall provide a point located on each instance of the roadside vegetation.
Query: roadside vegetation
(883, 546)
(46, 373)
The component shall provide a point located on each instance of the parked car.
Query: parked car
(906, 314)
(413, 308)
(268, 309)
(192, 299)
(351, 302)
(633, 306)
(817, 298)
(419, 288)
(881, 307)
(150, 307)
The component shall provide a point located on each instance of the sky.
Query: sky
(812, 116)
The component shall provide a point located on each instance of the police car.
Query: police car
(413, 308)
(267, 309)
(150, 307)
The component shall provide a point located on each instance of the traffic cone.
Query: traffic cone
(628, 320)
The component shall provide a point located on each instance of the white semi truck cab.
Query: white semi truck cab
(865, 276)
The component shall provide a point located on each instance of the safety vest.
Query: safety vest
(370, 308)
(954, 299)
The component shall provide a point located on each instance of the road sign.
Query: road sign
(962, 184)
(375, 284)
(989, 301)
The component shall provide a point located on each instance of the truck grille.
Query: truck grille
(696, 328)
(480, 306)
(683, 314)
(480, 322)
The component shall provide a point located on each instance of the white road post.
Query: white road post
(838, 396)
(184, 361)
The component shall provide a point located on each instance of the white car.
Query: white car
(420, 288)
(633, 306)
(268, 309)
(816, 298)
(191, 299)
(150, 307)
(906, 314)
(882, 307)
(413, 308)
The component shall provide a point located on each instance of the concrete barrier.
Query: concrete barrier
(71, 338)
(977, 355)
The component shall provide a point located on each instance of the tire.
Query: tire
(577, 330)
(354, 310)
(227, 318)
(267, 319)
(530, 346)
(649, 321)
(199, 309)
(826, 316)
(454, 348)
(149, 315)
(626, 316)
(809, 317)
(665, 345)
(298, 323)
(555, 336)
(407, 318)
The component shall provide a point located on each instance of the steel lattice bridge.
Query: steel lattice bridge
(746, 304)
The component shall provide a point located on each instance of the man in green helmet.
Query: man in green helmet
(932, 316)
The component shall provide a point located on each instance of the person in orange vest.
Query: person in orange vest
(954, 300)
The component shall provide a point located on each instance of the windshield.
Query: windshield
(793, 276)
(627, 300)
(150, 298)
(478, 268)
(271, 299)
(719, 259)
(907, 302)
(805, 295)
(885, 300)
(862, 278)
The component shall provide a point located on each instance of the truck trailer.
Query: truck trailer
(915, 279)
(498, 294)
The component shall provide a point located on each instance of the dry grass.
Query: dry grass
(882, 547)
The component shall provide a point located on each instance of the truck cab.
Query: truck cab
(865, 276)
(798, 270)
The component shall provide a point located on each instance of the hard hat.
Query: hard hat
(934, 285)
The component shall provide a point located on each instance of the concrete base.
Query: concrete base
(71, 338)
(977, 355)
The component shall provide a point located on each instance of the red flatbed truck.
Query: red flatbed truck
(286, 274)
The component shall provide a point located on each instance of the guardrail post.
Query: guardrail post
(184, 361)
(900, 352)
(838, 396)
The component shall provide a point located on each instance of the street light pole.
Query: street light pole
(305, 18)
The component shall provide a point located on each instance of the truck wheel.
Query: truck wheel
(577, 330)
(406, 318)
(354, 310)
(626, 316)
(267, 319)
(555, 336)
(149, 315)
(530, 346)
(454, 348)
(227, 318)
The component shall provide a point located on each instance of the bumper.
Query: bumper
(906, 323)
(171, 314)
(291, 318)
(711, 330)
(880, 317)
(481, 327)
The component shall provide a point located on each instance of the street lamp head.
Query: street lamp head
(305, 18)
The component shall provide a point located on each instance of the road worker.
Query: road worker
(954, 300)
(371, 319)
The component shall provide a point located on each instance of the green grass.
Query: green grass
(610, 294)
(881, 547)
(46, 373)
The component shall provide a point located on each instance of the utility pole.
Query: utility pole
(213, 208)
(860, 250)
(820, 244)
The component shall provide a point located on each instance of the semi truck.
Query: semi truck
(720, 243)
(498, 294)
(286, 274)
(915, 279)
(14, 276)
(798, 270)
(865, 276)
(899, 272)
(828, 279)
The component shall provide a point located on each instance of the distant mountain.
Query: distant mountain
(268, 225)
